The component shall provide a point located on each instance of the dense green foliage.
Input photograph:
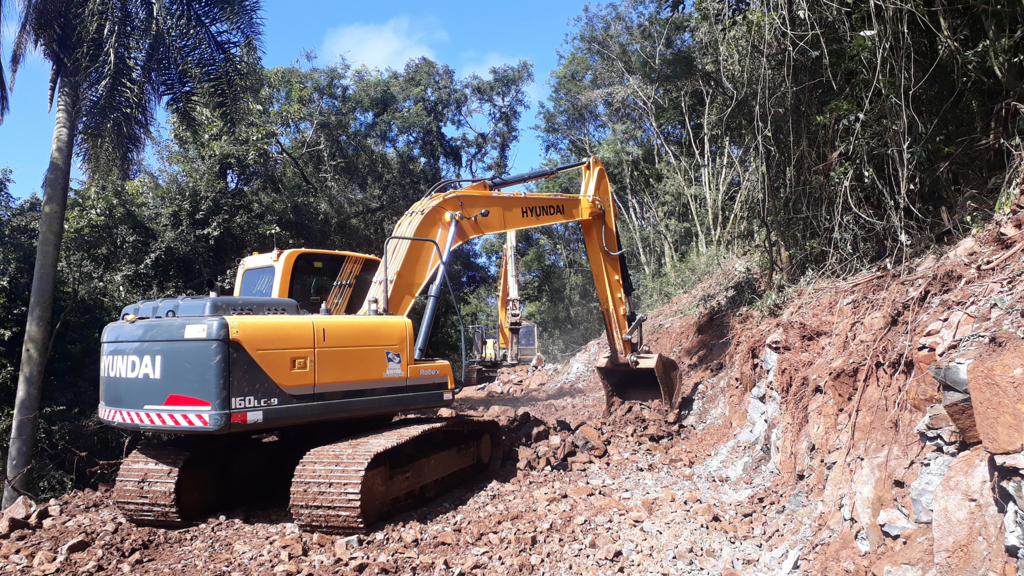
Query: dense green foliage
(811, 138)
(328, 158)
(823, 135)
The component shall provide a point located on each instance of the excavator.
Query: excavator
(492, 353)
(295, 379)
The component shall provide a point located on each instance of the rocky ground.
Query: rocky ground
(874, 426)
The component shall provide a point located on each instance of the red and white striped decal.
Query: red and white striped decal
(154, 418)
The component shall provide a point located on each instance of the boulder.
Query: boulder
(21, 509)
(997, 392)
(966, 526)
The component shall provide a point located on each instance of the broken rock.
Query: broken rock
(497, 412)
(961, 411)
(997, 392)
(597, 447)
(966, 525)
(922, 490)
(43, 558)
(8, 525)
(20, 510)
(76, 544)
(1013, 525)
(952, 375)
(893, 522)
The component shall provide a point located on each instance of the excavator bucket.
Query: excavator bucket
(651, 377)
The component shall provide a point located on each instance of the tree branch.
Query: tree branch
(295, 162)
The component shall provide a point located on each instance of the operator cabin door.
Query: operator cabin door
(360, 356)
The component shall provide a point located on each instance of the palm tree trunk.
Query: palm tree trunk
(40, 305)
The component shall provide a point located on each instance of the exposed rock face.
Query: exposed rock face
(956, 398)
(997, 389)
(961, 412)
(923, 489)
(967, 527)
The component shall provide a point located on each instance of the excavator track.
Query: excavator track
(171, 484)
(344, 487)
(146, 487)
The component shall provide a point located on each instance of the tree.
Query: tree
(112, 62)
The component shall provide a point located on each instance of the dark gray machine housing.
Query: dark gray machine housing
(210, 306)
(197, 359)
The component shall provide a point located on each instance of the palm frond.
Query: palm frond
(124, 56)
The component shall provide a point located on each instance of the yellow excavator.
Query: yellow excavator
(294, 379)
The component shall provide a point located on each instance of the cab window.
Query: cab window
(257, 282)
(363, 281)
(313, 275)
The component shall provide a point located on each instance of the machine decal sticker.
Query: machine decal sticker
(251, 402)
(394, 364)
(195, 331)
(247, 417)
(130, 366)
(538, 211)
(154, 418)
(429, 372)
(448, 395)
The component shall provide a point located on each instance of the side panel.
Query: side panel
(363, 368)
(281, 345)
(360, 353)
(431, 375)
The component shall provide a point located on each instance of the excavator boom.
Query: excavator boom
(455, 217)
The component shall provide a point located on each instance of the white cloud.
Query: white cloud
(473, 63)
(388, 45)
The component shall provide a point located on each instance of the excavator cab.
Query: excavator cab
(528, 342)
(318, 280)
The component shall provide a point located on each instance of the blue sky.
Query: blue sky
(469, 36)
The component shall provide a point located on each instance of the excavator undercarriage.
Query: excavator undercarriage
(340, 487)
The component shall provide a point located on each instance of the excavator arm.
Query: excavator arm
(455, 217)
(510, 312)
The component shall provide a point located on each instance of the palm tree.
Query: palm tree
(112, 63)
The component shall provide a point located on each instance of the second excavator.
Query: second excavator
(294, 380)
(516, 339)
